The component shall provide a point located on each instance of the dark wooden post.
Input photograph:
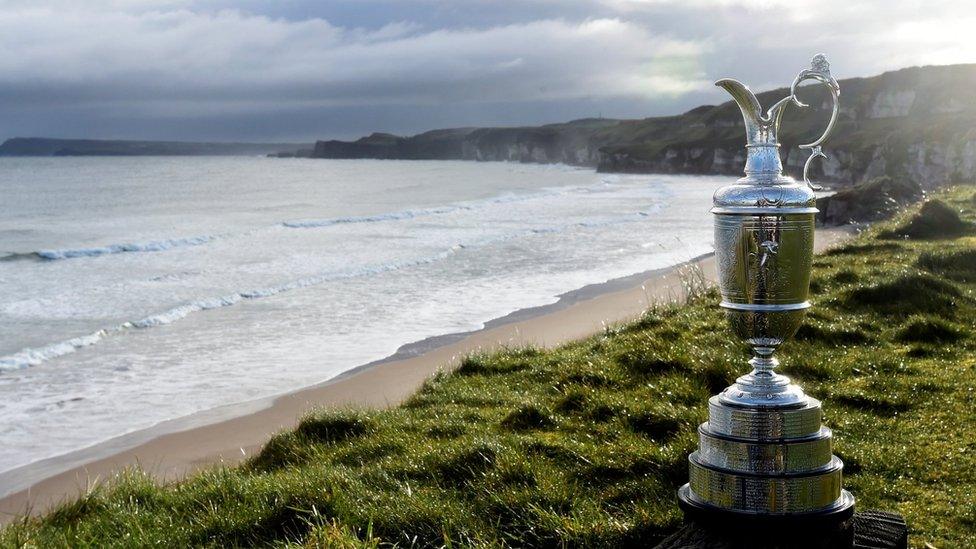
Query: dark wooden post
(865, 530)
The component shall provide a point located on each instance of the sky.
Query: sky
(301, 70)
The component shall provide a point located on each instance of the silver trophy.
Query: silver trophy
(763, 450)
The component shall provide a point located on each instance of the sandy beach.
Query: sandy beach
(228, 435)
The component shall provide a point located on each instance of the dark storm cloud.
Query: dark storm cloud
(214, 69)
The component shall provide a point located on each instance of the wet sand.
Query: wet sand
(228, 435)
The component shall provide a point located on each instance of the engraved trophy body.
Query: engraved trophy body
(763, 450)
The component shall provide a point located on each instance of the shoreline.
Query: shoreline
(229, 434)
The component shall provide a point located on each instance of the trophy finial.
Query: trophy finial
(820, 64)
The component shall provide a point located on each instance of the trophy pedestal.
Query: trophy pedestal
(765, 462)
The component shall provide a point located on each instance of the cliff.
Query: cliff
(568, 143)
(43, 146)
(916, 122)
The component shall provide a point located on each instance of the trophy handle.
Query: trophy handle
(820, 71)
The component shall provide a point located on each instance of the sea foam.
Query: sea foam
(392, 216)
(504, 198)
(182, 242)
(35, 356)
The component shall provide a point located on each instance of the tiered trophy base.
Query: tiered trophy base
(769, 462)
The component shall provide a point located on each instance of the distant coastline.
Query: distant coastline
(45, 146)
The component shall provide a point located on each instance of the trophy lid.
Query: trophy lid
(747, 196)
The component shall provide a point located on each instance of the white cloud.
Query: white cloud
(111, 59)
(229, 55)
(637, 5)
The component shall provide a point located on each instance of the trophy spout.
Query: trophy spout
(761, 130)
(748, 104)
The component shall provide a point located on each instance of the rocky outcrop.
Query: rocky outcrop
(891, 104)
(934, 220)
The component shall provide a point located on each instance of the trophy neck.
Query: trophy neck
(763, 162)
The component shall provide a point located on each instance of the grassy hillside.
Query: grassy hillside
(586, 444)
(897, 123)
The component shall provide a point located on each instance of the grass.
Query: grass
(935, 220)
(957, 264)
(585, 445)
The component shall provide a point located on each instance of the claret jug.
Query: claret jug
(763, 451)
(764, 226)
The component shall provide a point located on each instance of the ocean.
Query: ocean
(138, 290)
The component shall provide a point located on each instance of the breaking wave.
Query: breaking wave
(392, 216)
(151, 246)
(505, 198)
(20, 256)
(33, 357)
(169, 244)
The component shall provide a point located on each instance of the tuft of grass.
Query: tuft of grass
(484, 365)
(876, 404)
(527, 417)
(814, 333)
(906, 295)
(957, 265)
(299, 446)
(654, 425)
(585, 445)
(717, 376)
(920, 351)
(861, 248)
(930, 330)
(572, 402)
(935, 220)
(332, 535)
(330, 427)
(694, 283)
(464, 464)
(447, 431)
(845, 276)
(644, 361)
